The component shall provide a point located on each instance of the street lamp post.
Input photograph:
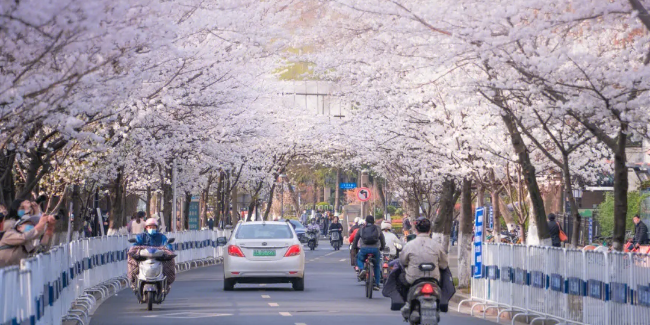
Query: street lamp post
(282, 196)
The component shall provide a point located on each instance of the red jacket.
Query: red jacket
(353, 234)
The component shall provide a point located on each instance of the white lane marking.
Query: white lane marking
(301, 324)
(263, 285)
(273, 304)
(284, 313)
(330, 253)
(185, 315)
(266, 296)
(342, 260)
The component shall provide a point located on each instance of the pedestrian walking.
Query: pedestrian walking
(640, 232)
(454, 232)
(554, 229)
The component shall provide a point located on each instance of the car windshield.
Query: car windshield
(296, 224)
(264, 231)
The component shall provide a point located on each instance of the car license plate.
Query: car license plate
(264, 252)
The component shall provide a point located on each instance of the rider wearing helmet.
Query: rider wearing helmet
(420, 250)
(151, 236)
(390, 237)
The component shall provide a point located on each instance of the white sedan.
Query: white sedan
(264, 252)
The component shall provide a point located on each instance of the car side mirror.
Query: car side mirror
(171, 240)
(222, 241)
(131, 240)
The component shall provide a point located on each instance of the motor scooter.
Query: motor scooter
(422, 299)
(312, 238)
(151, 283)
(386, 258)
(335, 239)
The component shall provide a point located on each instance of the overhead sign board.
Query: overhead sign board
(364, 194)
(348, 186)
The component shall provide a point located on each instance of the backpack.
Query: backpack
(370, 235)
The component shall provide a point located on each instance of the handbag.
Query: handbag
(563, 236)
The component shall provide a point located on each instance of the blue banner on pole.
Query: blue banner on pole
(193, 217)
(348, 186)
(591, 230)
(491, 218)
(478, 243)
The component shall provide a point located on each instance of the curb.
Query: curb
(81, 312)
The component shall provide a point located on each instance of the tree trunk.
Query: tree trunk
(219, 209)
(294, 199)
(226, 201)
(77, 208)
(148, 206)
(620, 191)
(337, 191)
(315, 196)
(7, 185)
(441, 228)
(187, 200)
(496, 207)
(235, 205)
(254, 201)
(530, 178)
(117, 200)
(270, 203)
(465, 232)
(575, 240)
(167, 198)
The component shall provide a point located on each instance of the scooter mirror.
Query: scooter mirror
(131, 240)
(171, 240)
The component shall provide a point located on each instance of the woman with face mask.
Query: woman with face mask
(151, 236)
(18, 240)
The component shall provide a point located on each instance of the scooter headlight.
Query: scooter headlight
(153, 272)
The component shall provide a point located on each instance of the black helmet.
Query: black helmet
(370, 220)
(422, 225)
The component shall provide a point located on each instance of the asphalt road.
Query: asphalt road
(332, 296)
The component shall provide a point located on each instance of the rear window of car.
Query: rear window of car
(264, 231)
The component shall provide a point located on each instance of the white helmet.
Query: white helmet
(356, 220)
(385, 225)
(362, 222)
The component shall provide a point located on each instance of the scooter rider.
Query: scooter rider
(151, 236)
(390, 237)
(420, 250)
(336, 226)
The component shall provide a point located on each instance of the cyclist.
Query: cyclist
(370, 240)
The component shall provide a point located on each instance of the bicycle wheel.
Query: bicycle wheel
(370, 280)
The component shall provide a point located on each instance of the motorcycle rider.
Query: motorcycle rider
(313, 227)
(336, 226)
(420, 250)
(390, 237)
(151, 236)
(369, 245)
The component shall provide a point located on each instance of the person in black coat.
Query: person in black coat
(640, 232)
(554, 230)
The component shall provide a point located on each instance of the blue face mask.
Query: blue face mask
(21, 213)
(152, 231)
(28, 228)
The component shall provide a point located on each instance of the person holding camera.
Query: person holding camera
(22, 232)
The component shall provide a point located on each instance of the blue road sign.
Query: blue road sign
(478, 243)
(193, 217)
(348, 186)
